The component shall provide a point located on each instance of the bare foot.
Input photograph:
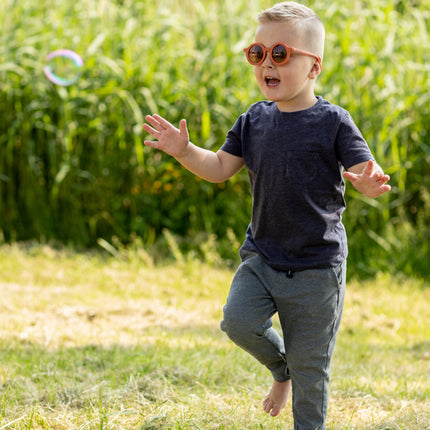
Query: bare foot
(277, 397)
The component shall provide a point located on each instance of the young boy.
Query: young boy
(295, 146)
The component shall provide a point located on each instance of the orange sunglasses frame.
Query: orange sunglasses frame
(289, 50)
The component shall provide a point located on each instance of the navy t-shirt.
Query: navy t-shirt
(294, 161)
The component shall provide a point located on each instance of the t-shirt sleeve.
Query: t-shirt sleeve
(233, 142)
(351, 146)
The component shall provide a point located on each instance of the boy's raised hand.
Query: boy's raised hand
(369, 179)
(171, 140)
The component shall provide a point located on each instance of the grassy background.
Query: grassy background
(72, 164)
(93, 342)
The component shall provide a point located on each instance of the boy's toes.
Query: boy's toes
(277, 397)
(267, 404)
(275, 411)
(270, 407)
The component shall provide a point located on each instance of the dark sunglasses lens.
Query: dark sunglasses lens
(255, 54)
(279, 54)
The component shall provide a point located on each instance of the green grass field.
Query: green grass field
(102, 342)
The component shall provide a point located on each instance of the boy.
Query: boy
(293, 259)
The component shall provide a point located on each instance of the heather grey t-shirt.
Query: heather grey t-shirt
(294, 161)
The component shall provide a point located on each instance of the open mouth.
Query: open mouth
(272, 82)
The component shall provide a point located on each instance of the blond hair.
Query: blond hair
(311, 25)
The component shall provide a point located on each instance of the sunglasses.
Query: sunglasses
(279, 53)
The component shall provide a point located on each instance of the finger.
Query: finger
(163, 123)
(382, 190)
(152, 143)
(368, 170)
(148, 128)
(151, 131)
(386, 188)
(384, 178)
(350, 176)
(153, 121)
(183, 128)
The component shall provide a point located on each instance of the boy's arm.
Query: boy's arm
(368, 178)
(211, 166)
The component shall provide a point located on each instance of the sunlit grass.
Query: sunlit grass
(91, 341)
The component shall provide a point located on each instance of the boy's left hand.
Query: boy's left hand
(368, 178)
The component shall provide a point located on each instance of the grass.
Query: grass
(91, 341)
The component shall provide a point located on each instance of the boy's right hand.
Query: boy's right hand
(171, 140)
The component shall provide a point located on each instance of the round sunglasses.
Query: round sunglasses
(279, 53)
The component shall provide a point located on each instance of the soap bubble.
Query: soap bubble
(64, 67)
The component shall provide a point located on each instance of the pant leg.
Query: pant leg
(248, 316)
(310, 308)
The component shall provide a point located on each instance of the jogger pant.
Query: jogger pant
(309, 304)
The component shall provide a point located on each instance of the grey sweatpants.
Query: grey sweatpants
(309, 304)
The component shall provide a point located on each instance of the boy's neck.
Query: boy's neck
(297, 105)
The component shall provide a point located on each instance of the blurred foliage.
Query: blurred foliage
(73, 166)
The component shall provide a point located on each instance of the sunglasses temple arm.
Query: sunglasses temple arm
(317, 57)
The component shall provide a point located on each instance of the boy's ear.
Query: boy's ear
(315, 71)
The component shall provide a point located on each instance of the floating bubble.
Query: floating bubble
(64, 67)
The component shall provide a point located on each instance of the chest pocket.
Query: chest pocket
(302, 167)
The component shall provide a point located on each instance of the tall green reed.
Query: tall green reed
(382, 55)
(73, 165)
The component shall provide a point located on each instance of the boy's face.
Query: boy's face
(291, 86)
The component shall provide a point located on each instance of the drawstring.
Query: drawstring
(290, 274)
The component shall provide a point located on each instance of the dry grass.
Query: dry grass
(92, 342)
